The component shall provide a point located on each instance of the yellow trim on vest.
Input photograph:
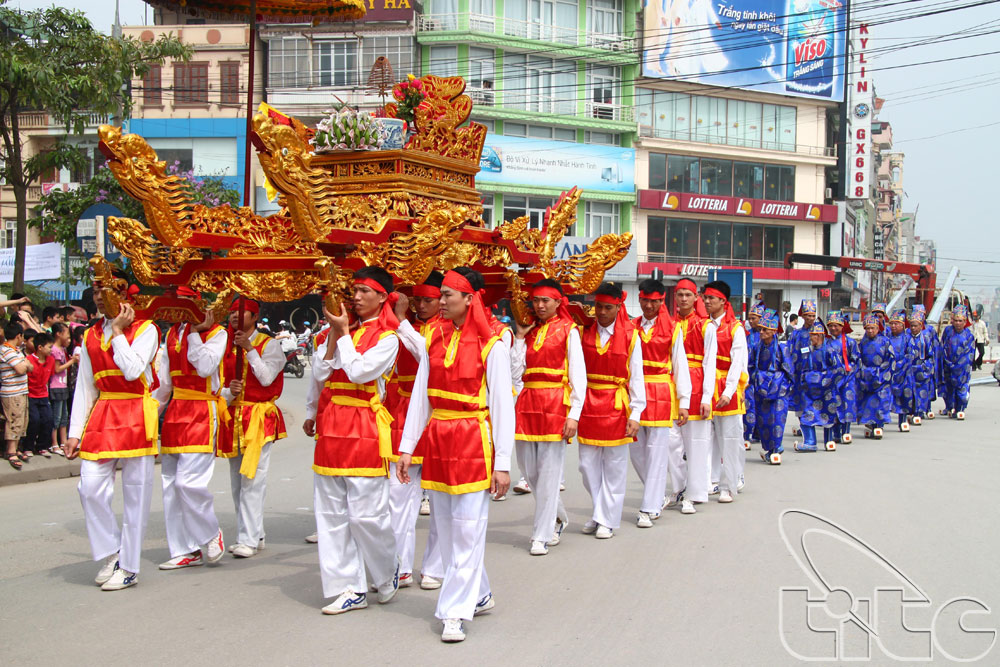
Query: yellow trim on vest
(181, 394)
(127, 454)
(605, 443)
(108, 373)
(538, 438)
(383, 420)
(479, 399)
(350, 386)
(470, 487)
(350, 472)
(150, 410)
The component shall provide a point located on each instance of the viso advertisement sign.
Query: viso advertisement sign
(792, 47)
(563, 164)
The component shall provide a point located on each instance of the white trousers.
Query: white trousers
(697, 438)
(727, 434)
(650, 455)
(354, 531)
(543, 468)
(461, 521)
(97, 490)
(404, 508)
(715, 472)
(605, 473)
(188, 504)
(248, 498)
(676, 464)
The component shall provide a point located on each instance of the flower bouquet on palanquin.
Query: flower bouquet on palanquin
(409, 94)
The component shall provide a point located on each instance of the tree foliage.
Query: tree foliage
(54, 61)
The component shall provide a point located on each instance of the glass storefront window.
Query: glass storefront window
(682, 173)
(777, 242)
(748, 243)
(748, 180)
(656, 241)
(657, 171)
(717, 177)
(779, 182)
(716, 240)
(682, 238)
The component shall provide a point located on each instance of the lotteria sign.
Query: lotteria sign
(684, 202)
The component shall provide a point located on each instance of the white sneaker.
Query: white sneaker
(557, 533)
(604, 533)
(589, 528)
(643, 520)
(499, 499)
(714, 489)
(260, 545)
(429, 583)
(484, 605)
(106, 570)
(243, 551)
(215, 549)
(538, 548)
(741, 483)
(120, 579)
(687, 507)
(387, 591)
(346, 601)
(725, 497)
(425, 507)
(312, 539)
(673, 499)
(405, 580)
(454, 630)
(192, 559)
(562, 486)
(522, 487)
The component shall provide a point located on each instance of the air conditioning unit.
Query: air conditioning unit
(10, 225)
(829, 193)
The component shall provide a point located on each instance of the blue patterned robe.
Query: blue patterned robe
(924, 373)
(771, 382)
(845, 382)
(797, 340)
(875, 380)
(903, 386)
(816, 375)
(934, 345)
(958, 350)
(750, 416)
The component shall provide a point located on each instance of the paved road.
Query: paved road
(701, 589)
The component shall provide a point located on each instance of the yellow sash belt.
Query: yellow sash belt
(619, 385)
(479, 415)
(253, 437)
(150, 410)
(221, 407)
(544, 384)
(383, 419)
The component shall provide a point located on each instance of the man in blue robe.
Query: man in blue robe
(798, 339)
(875, 378)
(904, 354)
(771, 379)
(958, 351)
(845, 351)
(815, 375)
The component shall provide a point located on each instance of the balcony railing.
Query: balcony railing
(609, 111)
(704, 138)
(664, 258)
(484, 97)
(40, 120)
(526, 30)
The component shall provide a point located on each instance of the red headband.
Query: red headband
(184, 290)
(456, 281)
(427, 291)
(607, 298)
(711, 291)
(477, 319)
(685, 283)
(550, 292)
(368, 282)
(651, 295)
(249, 306)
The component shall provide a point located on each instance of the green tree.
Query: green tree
(53, 60)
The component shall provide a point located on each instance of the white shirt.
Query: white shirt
(678, 366)
(738, 358)
(980, 332)
(360, 368)
(636, 380)
(708, 367)
(205, 357)
(132, 360)
(576, 371)
(265, 368)
(499, 402)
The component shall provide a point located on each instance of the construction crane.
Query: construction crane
(922, 274)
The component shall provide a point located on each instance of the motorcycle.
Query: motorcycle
(293, 364)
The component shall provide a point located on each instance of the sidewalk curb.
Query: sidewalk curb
(38, 469)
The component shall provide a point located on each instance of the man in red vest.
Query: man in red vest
(190, 372)
(668, 395)
(353, 446)
(462, 415)
(254, 423)
(405, 499)
(731, 378)
(696, 434)
(616, 399)
(114, 422)
(551, 379)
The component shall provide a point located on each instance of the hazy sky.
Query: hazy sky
(948, 176)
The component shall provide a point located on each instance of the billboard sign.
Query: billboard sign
(791, 47)
(388, 10)
(860, 109)
(686, 202)
(41, 262)
(521, 161)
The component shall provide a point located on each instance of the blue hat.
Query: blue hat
(920, 307)
(769, 319)
(818, 327)
(918, 315)
(835, 317)
(758, 308)
(808, 306)
(878, 308)
(898, 315)
(960, 311)
(872, 318)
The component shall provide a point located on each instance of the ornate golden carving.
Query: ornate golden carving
(585, 272)
(438, 119)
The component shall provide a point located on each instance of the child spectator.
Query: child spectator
(14, 391)
(29, 340)
(39, 411)
(58, 386)
(74, 350)
(50, 315)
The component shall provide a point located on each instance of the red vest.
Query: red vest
(724, 345)
(191, 421)
(398, 390)
(352, 426)
(124, 421)
(693, 327)
(254, 415)
(661, 392)
(606, 409)
(543, 404)
(457, 445)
